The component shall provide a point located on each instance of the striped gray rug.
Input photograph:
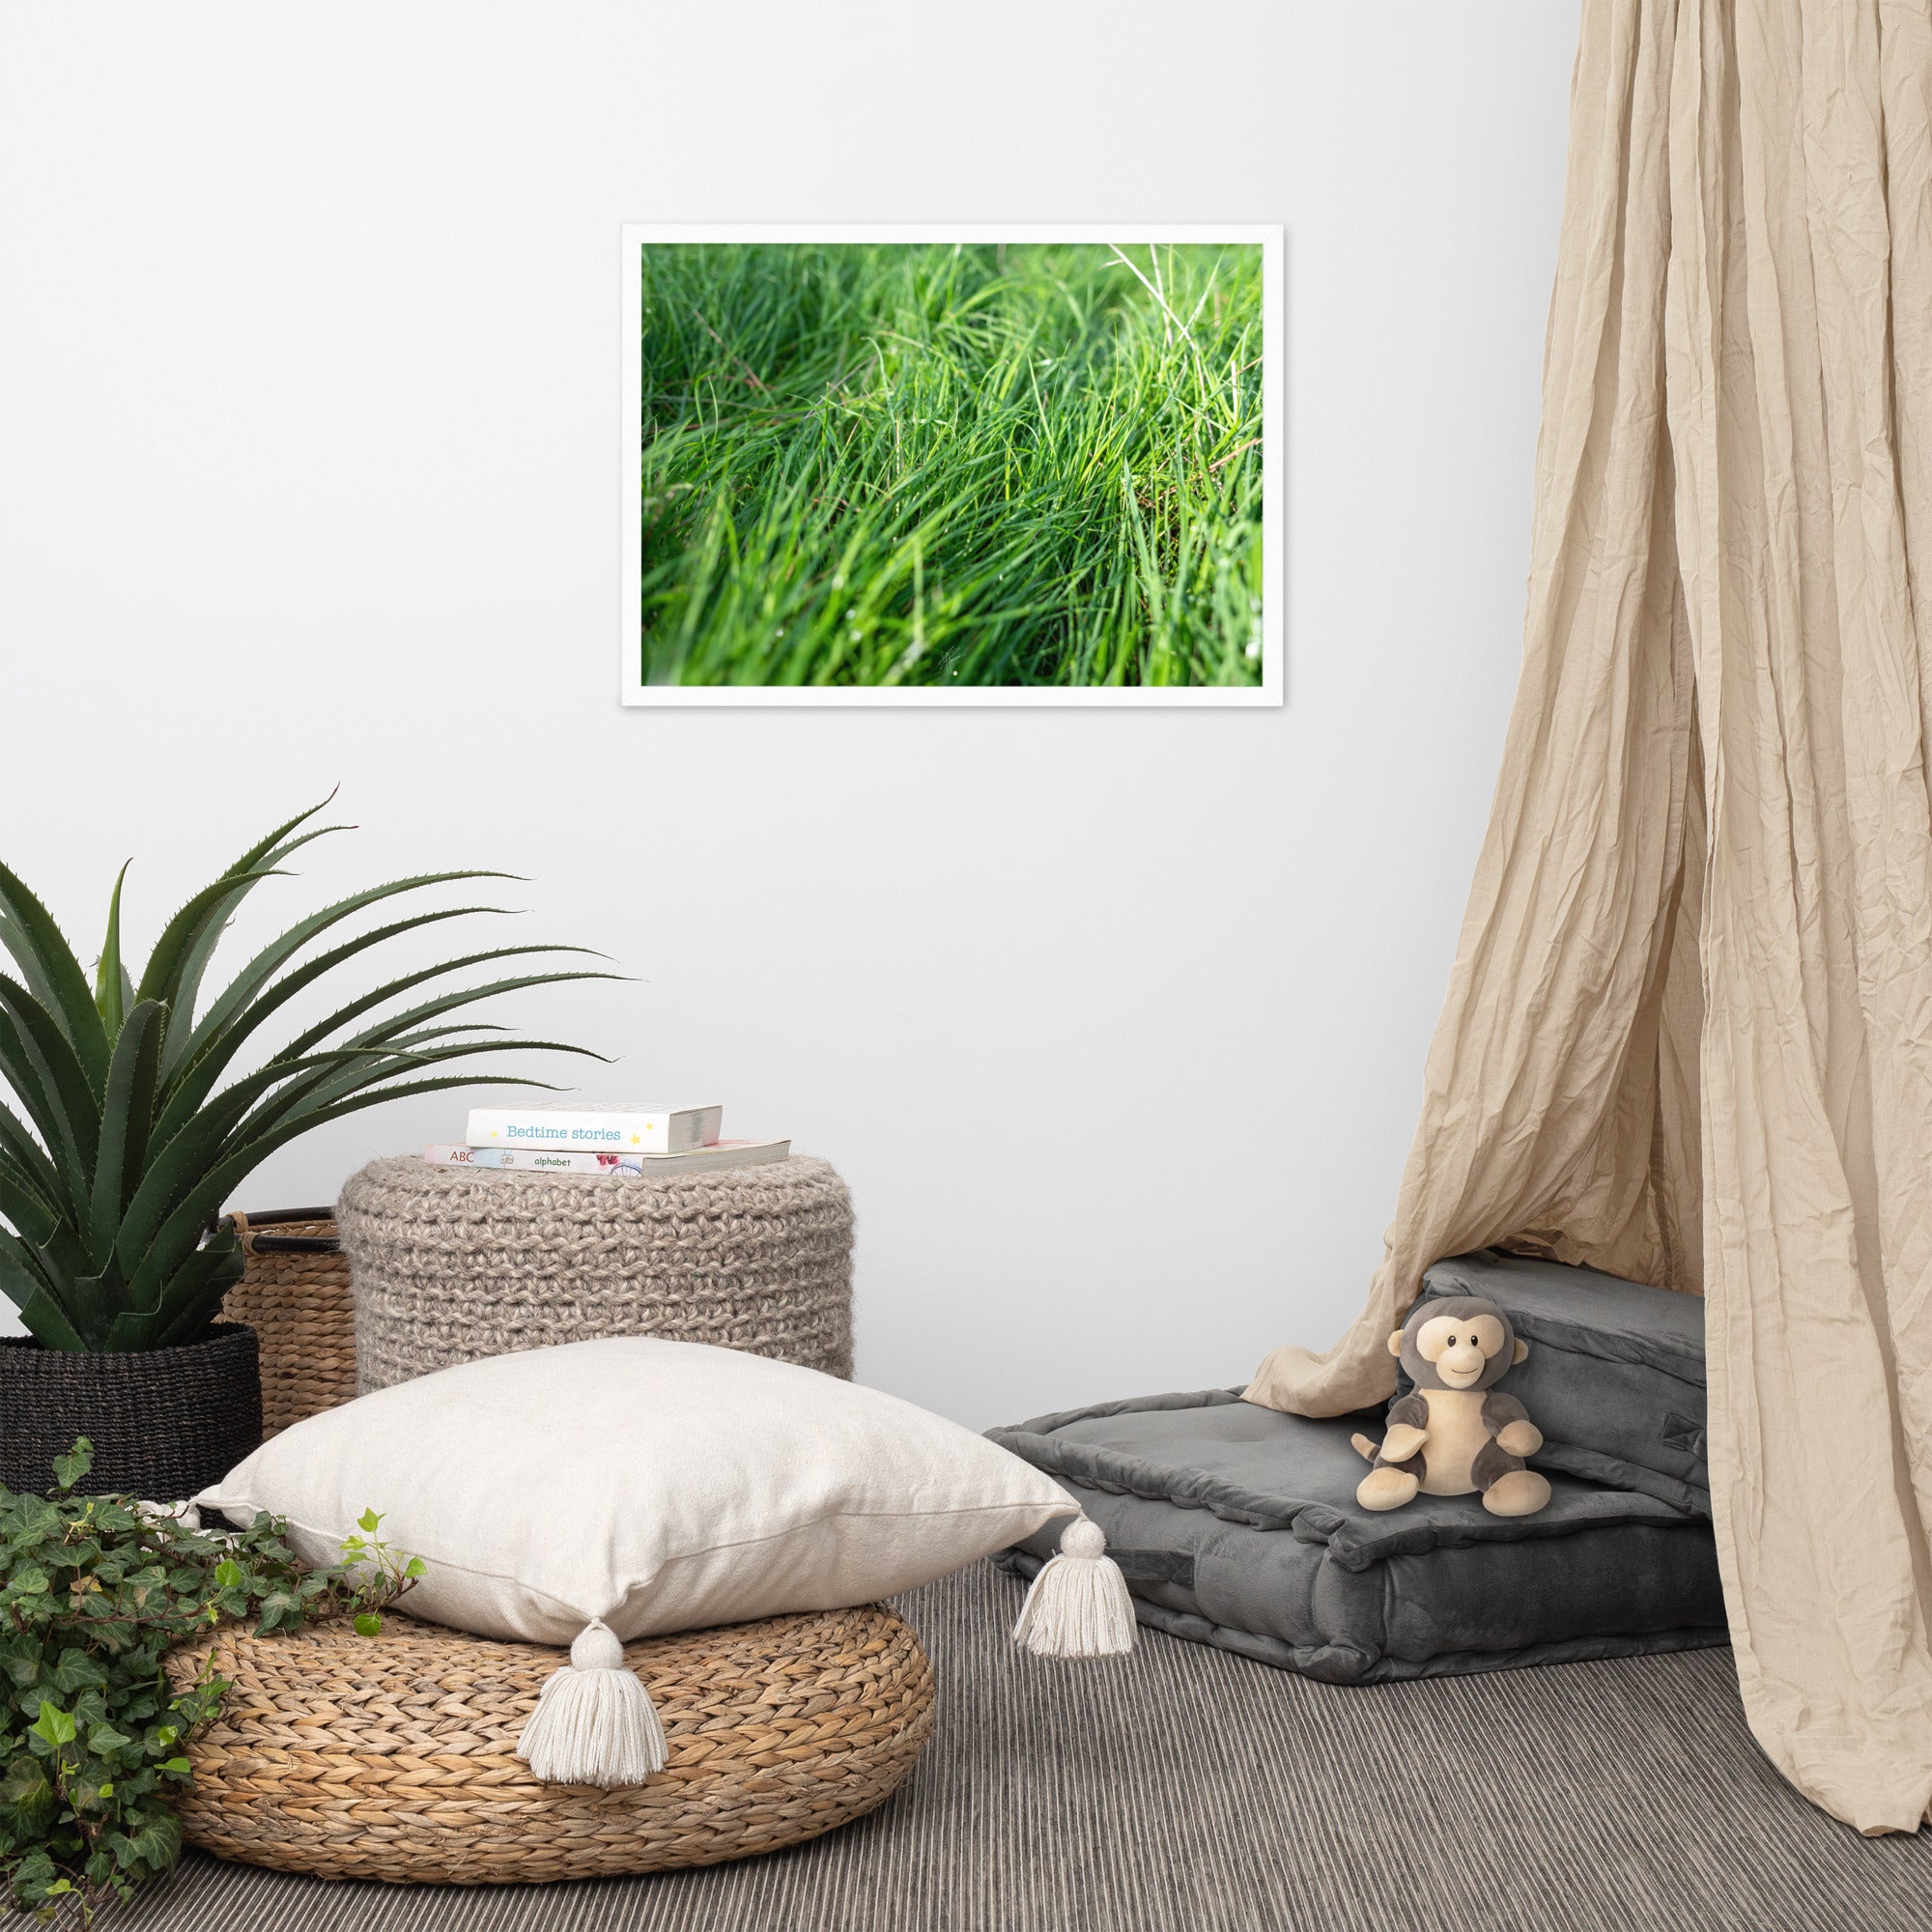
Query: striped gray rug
(1188, 1791)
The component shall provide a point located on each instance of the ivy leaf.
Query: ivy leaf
(276, 1616)
(369, 1521)
(75, 1670)
(416, 1567)
(154, 1845)
(36, 1878)
(368, 1624)
(24, 1783)
(53, 1724)
(69, 1468)
(93, 1597)
(85, 1794)
(21, 1661)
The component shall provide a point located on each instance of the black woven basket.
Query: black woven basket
(164, 1422)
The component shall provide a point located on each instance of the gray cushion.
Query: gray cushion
(1615, 1375)
(1236, 1526)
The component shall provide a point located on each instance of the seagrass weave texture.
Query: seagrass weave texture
(394, 1756)
(163, 1422)
(298, 1301)
(454, 1264)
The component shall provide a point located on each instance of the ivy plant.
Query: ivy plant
(95, 1591)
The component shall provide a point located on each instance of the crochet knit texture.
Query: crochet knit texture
(454, 1264)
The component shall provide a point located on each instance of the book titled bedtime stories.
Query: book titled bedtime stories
(541, 1160)
(627, 1130)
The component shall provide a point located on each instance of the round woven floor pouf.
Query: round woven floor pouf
(452, 1264)
(394, 1756)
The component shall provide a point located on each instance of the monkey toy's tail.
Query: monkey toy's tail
(1365, 1448)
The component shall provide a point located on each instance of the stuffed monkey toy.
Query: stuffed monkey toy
(1456, 1434)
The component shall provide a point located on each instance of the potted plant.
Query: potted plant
(130, 1126)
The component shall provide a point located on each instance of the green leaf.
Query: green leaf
(93, 1300)
(320, 1090)
(154, 1848)
(110, 977)
(44, 1069)
(369, 1521)
(102, 1739)
(444, 1003)
(182, 1158)
(19, 1144)
(176, 1767)
(368, 1624)
(414, 1568)
(221, 1181)
(231, 1017)
(187, 1300)
(69, 1468)
(19, 1069)
(261, 858)
(53, 1726)
(126, 1112)
(75, 1671)
(129, 1333)
(228, 1572)
(161, 979)
(49, 966)
(279, 1609)
(24, 1282)
(24, 1206)
(213, 1046)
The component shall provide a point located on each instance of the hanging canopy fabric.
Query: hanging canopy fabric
(1689, 1030)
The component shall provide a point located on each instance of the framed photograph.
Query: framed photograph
(961, 465)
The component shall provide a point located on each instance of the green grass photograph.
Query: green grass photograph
(982, 466)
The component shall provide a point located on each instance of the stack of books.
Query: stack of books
(603, 1140)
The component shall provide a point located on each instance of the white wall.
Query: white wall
(308, 393)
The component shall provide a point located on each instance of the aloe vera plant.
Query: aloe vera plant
(123, 1140)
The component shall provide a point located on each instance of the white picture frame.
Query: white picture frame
(1268, 692)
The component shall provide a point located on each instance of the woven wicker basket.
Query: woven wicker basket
(394, 1756)
(297, 1298)
(163, 1422)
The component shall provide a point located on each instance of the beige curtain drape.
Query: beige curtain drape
(1689, 1032)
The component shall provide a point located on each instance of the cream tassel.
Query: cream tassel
(1078, 1606)
(594, 1723)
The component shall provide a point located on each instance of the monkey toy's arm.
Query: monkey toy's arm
(1508, 1421)
(1408, 1429)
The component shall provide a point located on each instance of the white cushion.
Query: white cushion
(655, 1486)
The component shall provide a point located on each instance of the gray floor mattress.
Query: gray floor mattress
(1238, 1527)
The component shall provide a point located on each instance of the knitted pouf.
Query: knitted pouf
(453, 1263)
(394, 1756)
